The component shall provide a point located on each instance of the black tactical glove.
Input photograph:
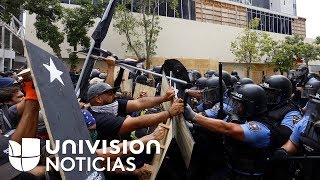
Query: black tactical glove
(188, 113)
(280, 154)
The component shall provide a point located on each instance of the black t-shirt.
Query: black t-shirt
(4, 150)
(122, 107)
(108, 125)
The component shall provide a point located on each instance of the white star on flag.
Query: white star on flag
(54, 72)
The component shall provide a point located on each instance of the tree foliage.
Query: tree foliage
(291, 49)
(252, 45)
(317, 40)
(77, 22)
(48, 12)
(141, 31)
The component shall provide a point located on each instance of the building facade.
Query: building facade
(201, 33)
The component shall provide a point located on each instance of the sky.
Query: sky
(309, 9)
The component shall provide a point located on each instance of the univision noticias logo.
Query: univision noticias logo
(26, 156)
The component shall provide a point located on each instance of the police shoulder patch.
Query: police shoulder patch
(253, 126)
(295, 119)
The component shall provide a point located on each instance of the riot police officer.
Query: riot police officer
(211, 96)
(247, 135)
(283, 114)
(194, 75)
(311, 88)
(302, 78)
(281, 110)
(226, 78)
(235, 74)
(306, 135)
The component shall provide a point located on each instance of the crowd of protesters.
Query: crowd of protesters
(259, 128)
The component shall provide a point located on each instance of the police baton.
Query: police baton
(220, 112)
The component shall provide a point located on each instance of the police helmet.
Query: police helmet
(241, 82)
(226, 78)
(311, 87)
(209, 73)
(302, 70)
(142, 79)
(234, 80)
(278, 88)
(157, 69)
(201, 83)
(194, 75)
(234, 73)
(292, 75)
(248, 101)
(211, 92)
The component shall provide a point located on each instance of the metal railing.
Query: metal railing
(15, 26)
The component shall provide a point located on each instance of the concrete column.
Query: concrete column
(10, 47)
(2, 48)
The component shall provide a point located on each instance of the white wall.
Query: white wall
(179, 39)
(283, 6)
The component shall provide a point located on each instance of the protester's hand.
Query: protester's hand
(169, 94)
(177, 107)
(280, 154)
(189, 114)
(194, 93)
(158, 133)
(111, 61)
(144, 172)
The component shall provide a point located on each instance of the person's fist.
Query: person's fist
(177, 107)
(158, 133)
(169, 94)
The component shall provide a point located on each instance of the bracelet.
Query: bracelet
(170, 115)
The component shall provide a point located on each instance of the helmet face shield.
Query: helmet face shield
(238, 107)
(307, 91)
(273, 96)
(313, 108)
(211, 94)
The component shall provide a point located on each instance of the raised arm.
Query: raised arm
(149, 102)
(216, 125)
(27, 127)
(133, 123)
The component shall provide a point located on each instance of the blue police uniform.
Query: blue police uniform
(290, 119)
(299, 130)
(256, 134)
(213, 112)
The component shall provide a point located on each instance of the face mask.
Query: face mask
(94, 135)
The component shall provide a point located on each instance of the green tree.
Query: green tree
(317, 40)
(287, 52)
(294, 48)
(77, 22)
(141, 31)
(252, 45)
(48, 12)
(310, 52)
